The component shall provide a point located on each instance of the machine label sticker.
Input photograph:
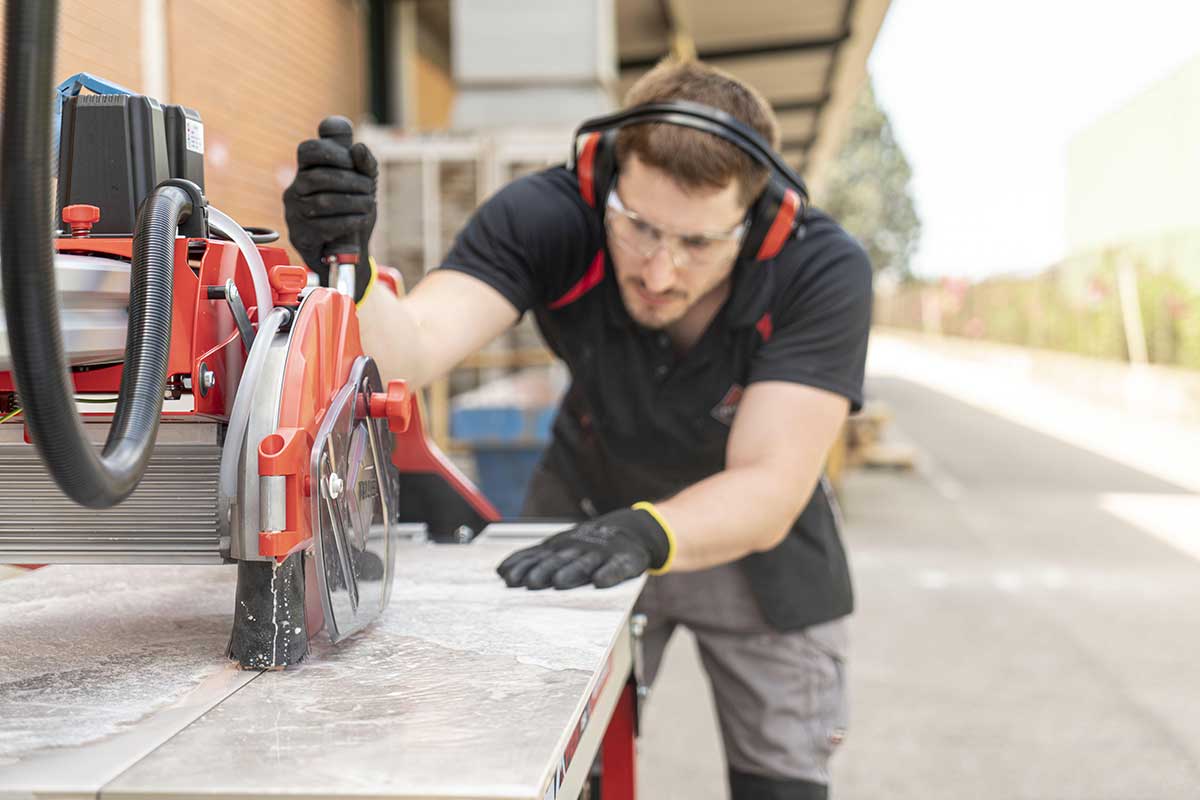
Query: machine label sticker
(723, 411)
(585, 716)
(194, 135)
(368, 489)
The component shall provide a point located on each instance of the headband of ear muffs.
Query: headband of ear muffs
(775, 215)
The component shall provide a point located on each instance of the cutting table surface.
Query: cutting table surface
(113, 683)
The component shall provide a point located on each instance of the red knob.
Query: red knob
(81, 218)
(287, 281)
(395, 404)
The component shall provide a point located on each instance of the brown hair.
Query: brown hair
(696, 159)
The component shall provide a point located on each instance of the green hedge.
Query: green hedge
(1057, 310)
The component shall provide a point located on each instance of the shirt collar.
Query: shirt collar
(750, 298)
(614, 307)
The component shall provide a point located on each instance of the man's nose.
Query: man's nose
(659, 274)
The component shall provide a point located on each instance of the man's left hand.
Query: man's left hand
(605, 551)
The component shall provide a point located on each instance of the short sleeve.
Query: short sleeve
(530, 241)
(821, 323)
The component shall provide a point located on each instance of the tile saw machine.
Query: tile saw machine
(278, 448)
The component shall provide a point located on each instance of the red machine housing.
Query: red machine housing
(325, 343)
(195, 320)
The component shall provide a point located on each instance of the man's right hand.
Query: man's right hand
(331, 199)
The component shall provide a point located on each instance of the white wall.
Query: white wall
(1134, 176)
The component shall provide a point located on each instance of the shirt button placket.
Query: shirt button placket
(663, 343)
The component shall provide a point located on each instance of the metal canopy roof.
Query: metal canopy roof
(808, 57)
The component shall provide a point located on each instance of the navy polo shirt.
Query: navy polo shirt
(640, 422)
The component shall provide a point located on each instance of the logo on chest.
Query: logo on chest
(723, 411)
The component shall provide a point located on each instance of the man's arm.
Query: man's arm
(776, 451)
(802, 382)
(420, 337)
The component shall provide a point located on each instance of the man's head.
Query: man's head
(686, 188)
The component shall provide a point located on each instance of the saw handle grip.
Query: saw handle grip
(340, 131)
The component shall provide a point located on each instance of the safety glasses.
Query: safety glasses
(691, 249)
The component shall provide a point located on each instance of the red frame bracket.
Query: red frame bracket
(286, 453)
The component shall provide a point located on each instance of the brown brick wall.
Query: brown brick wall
(262, 74)
(102, 37)
(97, 36)
(435, 95)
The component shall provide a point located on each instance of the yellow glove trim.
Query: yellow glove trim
(662, 523)
(370, 281)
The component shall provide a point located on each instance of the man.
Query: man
(706, 391)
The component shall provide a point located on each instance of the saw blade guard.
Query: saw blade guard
(352, 507)
(315, 478)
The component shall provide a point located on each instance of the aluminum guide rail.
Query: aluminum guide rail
(170, 518)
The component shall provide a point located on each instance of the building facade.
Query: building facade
(1132, 178)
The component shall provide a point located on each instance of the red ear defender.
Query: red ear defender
(781, 228)
(776, 213)
(585, 168)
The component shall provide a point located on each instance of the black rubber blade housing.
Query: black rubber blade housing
(269, 623)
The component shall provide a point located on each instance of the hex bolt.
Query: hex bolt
(463, 534)
(208, 379)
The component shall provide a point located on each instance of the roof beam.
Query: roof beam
(765, 49)
(809, 104)
(683, 47)
(847, 16)
(797, 144)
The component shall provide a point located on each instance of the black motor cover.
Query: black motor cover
(112, 153)
(185, 143)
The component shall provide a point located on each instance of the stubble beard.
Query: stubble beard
(651, 317)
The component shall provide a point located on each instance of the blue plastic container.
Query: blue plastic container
(506, 442)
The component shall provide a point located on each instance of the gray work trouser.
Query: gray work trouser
(780, 695)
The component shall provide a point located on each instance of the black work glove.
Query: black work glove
(604, 551)
(332, 199)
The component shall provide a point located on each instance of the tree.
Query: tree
(868, 190)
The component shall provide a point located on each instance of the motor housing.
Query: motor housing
(114, 149)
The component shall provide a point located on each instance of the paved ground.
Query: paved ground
(1028, 626)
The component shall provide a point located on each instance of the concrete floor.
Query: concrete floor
(1014, 637)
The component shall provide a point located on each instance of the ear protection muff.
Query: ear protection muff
(596, 167)
(774, 216)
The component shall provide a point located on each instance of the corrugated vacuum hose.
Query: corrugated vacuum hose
(96, 480)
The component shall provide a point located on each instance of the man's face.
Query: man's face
(696, 232)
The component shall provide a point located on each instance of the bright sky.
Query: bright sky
(985, 95)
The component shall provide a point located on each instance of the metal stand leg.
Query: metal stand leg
(619, 781)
